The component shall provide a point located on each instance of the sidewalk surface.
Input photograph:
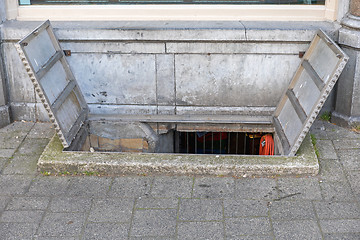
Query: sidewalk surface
(34, 206)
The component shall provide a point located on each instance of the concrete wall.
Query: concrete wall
(169, 67)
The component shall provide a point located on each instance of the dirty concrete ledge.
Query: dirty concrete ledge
(54, 160)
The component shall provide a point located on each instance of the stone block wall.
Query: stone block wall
(169, 67)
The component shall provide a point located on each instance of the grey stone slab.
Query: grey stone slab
(4, 201)
(70, 204)
(33, 216)
(154, 222)
(22, 164)
(11, 140)
(255, 188)
(16, 231)
(292, 210)
(201, 230)
(200, 209)
(154, 238)
(7, 153)
(89, 186)
(42, 130)
(336, 191)
(221, 81)
(320, 134)
(56, 238)
(245, 208)
(326, 149)
(210, 187)
(252, 237)
(172, 187)
(340, 226)
(106, 231)
(133, 77)
(31, 147)
(62, 224)
(48, 186)
(165, 79)
(111, 210)
(3, 162)
(28, 203)
(157, 203)
(331, 170)
(354, 179)
(14, 184)
(300, 229)
(337, 210)
(346, 143)
(350, 159)
(336, 132)
(18, 127)
(342, 236)
(131, 186)
(299, 188)
(247, 226)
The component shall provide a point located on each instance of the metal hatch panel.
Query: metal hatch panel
(302, 101)
(45, 62)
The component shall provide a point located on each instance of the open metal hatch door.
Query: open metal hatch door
(54, 82)
(317, 74)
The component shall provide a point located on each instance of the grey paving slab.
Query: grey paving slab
(354, 179)
(206, 187)
(11, 140)
(296, 230)
(342, 236)
(255, 188)
(154, 238)
(22, 164)
(55, 238)
(111, 210)
(7, 153)
(16, 231)
(105, 231)
(340, 143)
(200, 209)
(336, 132)
(42, 130)
(340, 226)
(31, 147)
(350, 159)
(331, 170)
(336, 191)
(154, 222)
(172, 187)
(32, 216)
(17, 127)
(299, 188)
(252, 237)
(131, 187)
(70, 204)
(247, 226)
(292, 210)
(201, 230)
(4, 200)
(61, 224)
(28, 203)
(326, 149)
(149, 202)
(3, 162)
(245, 208)
(89, 186)
(48, 186)
(14, 184)
(337, 210)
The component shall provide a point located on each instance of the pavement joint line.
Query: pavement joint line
(192, 187)
(83, 227)
(46, 211)
(317, 220)
(132, 218)
(177, 218)
(110, 186)
(223, 220)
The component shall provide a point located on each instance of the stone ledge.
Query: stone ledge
(54, 160)
(176, 30)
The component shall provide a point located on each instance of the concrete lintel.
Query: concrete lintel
(176, 30)
(54, 160)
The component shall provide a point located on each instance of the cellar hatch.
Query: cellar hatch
(80, 129)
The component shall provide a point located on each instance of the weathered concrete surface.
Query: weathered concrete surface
(165, 67)
(54, 159)
(35, 206)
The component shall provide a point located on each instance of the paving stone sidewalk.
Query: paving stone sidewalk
(33, 206)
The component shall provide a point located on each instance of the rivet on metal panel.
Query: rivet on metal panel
(67, 53)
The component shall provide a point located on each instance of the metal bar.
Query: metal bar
(244, 143)
(34, 33)
(195, 142)
(313, 74)
(204, 144)
(187, 142)
(212, 142)
(220, 141)
(296, 104)
(64, 94)
(280, 132)
(48, 65)
(228, 142)
(237, 143)
(74, 128)
(253, 145)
